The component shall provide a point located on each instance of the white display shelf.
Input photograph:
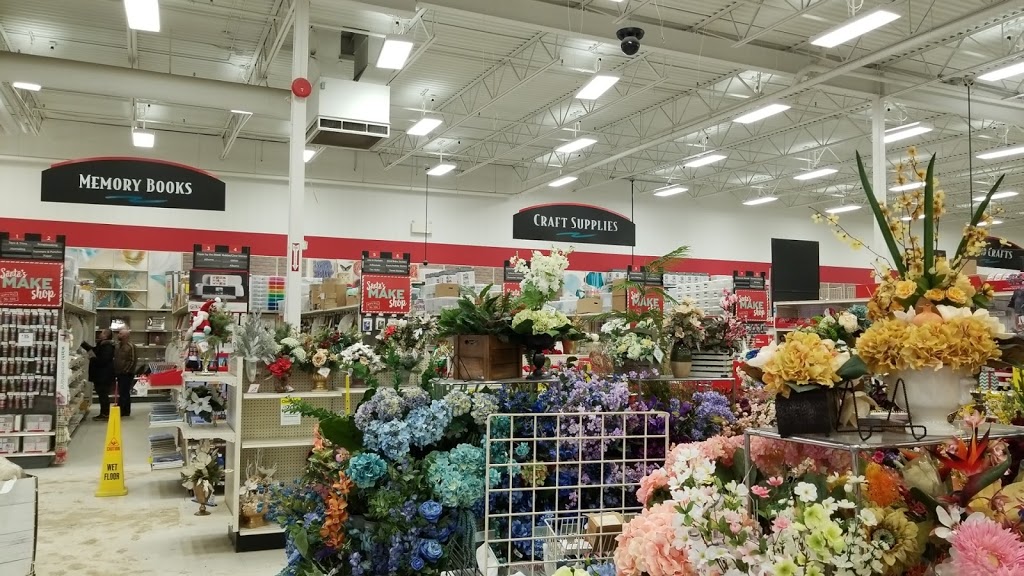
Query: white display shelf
(132, 290)
(212, 377)
(107, 309)
(28, 455)
(277, 443)
(25, 434)
(279, 395)
(327, 312)
(221, 431)
(270, 528)
(796, 303)
(72, 308)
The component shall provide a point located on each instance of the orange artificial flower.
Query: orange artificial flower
(883, 485)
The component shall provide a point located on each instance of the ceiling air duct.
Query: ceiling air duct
(347, 114)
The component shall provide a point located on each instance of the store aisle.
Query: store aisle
(152, 531)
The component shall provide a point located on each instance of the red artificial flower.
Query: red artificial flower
(281, 367)
(967, 458)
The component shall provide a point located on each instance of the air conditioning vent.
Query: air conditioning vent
(347, 114)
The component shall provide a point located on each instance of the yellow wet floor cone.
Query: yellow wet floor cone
(112, 472)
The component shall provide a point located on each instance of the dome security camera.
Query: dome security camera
(629, 39)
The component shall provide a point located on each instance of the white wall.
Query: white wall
(349, 195)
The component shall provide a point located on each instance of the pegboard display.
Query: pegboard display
(289, 462)
(261, 419)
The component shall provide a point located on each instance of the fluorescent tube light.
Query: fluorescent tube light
(761, 113)
(561, 181)
(27, 86)
(669, 190)
(143, 15)
(394, 53)
(1001, 152)
(844, 208)
(760, 200)
(815, 174)
(901, 127)
(906, 187)
(576, 145)
(440, 169)
(704, 160)
(997, 196)
(241, 112)
(143, 138)
(598, 85)
(309, 153)
(994, 222)
(853, 28)
(424, 126)
(904, 134)
(908, 218)
(1003, 73)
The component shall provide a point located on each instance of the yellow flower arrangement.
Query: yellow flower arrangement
(960, 342)
(804, 358)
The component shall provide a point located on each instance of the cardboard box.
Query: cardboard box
(601, 532)
(591, 305)
(35, 444)
(7, 423)
(38, 423)
(446, 290)
(486, 358)
(19, 515)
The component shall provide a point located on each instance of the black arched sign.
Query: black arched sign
(576, 223)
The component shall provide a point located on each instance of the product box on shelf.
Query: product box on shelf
(9, 445)
(446, 290)
(38, 422)
(592, 305)
(8, 423)
(35, 444)
(482, 357)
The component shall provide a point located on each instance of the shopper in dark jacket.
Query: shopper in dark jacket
(101, 369)
(124, 365)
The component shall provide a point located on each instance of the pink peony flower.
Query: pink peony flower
(759, 491)
(983, 548)
(779, 524)
(645, 545)
(775, 481)
(650, 483)
(720, 449)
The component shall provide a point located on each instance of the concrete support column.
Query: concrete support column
(297, 169)
(878, 166)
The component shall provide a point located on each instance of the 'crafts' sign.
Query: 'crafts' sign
(1000, 253)
(573, 223)
(383, 294)
(132, 182)
(31, 284)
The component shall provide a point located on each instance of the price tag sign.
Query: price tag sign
(289, 418)
(26, 338)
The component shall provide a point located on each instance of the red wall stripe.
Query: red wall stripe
(117, 236)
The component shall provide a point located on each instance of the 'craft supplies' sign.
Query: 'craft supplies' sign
(31, 284)
(382, 294)
(1001, 253)
(752, 305)
(132, 182)
(573, 223)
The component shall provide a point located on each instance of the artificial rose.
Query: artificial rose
(935, 295)
(956, 295)
(905, 289)
(320, 358)
(849, 322)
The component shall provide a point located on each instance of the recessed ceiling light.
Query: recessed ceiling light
(441, 169)
(670, 190)
(844, 208)
(760, 200)
(1001, 153)
(309, 153)
(853, 28)
(904, 134)
(575, 145)
(997, 196)
(27, 86)
(143, 138)
(815, 174)
(561, 181)
(704, 160)
(424, 126)
(143, 15)
(1003, 73)
(761, 113)
(598, 85)
(905, 187)
(394, 53)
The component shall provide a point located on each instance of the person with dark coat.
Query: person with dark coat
(125, 361)
(101, 369)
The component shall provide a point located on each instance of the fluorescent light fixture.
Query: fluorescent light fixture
(241, 112)
(853, 28)
(143, 138)
(424, 126)
(994, 222)
(815, 174)
(27, 86)
(440, 169)
(1001, 153)
(906, 187)
(761, 113)
(561, 181)
(143, 15)
(671, 190)
(1003, 73)
(901, 127)
(598, 85)
(997, 196)
(843, 208)
(394, 53)
(704, 160)
(908, 218)
(309, 153)
(904, 134)
(760, 200)
(576, 145)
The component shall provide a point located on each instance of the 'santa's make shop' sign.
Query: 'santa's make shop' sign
(132, 182)
(31, 284)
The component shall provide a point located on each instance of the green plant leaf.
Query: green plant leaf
(929, 217)
(301, 541)
(890, 241)
(853, 369)
(343, 432)
(977, 218)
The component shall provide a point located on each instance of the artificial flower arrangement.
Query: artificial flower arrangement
(253, 341)
(723, 334)
(548, 323)
(685, 324)
(403, 343)
(841, 325)
(202, 474)
(543, 276)
(203, 401)
(804, 362)
(638, 344)
(361, 360)
(483, 314)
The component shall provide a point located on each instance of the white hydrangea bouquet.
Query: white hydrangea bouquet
(633, 344)
(543, 276)
(361, 360)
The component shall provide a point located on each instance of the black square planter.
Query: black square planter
(811, 412)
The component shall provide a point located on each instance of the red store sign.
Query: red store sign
(638, 301)
(385, 294)
(31, 284)
(752, 305)
(513, 289)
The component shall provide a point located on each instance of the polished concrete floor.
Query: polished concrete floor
(150, 532)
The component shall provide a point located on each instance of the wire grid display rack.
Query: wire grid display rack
(551, 476)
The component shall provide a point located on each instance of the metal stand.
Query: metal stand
(847, 391)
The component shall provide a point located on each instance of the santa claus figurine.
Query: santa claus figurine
(200, 330)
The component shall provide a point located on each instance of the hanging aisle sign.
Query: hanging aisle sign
(385, 286)
(1000, 253)
(132, 182)
(578, 223)
(32, 246)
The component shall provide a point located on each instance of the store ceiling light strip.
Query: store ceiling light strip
(1001, 153)
(576, 145)
(762, 113)
(309, 153)
(424, 126)
(815, 174)
(844, 208)
(441, 169)
(1003, 73)
(143, 15)
(997, 196)
(901, 127)
(31, 87)
(671, 190)
(858, 26)
(704, 160)
(906, 187)
(597, 86)
(760, 200)
(561, 181)
(904, 134)
(394, 53)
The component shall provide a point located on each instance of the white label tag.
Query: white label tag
(325, 372)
